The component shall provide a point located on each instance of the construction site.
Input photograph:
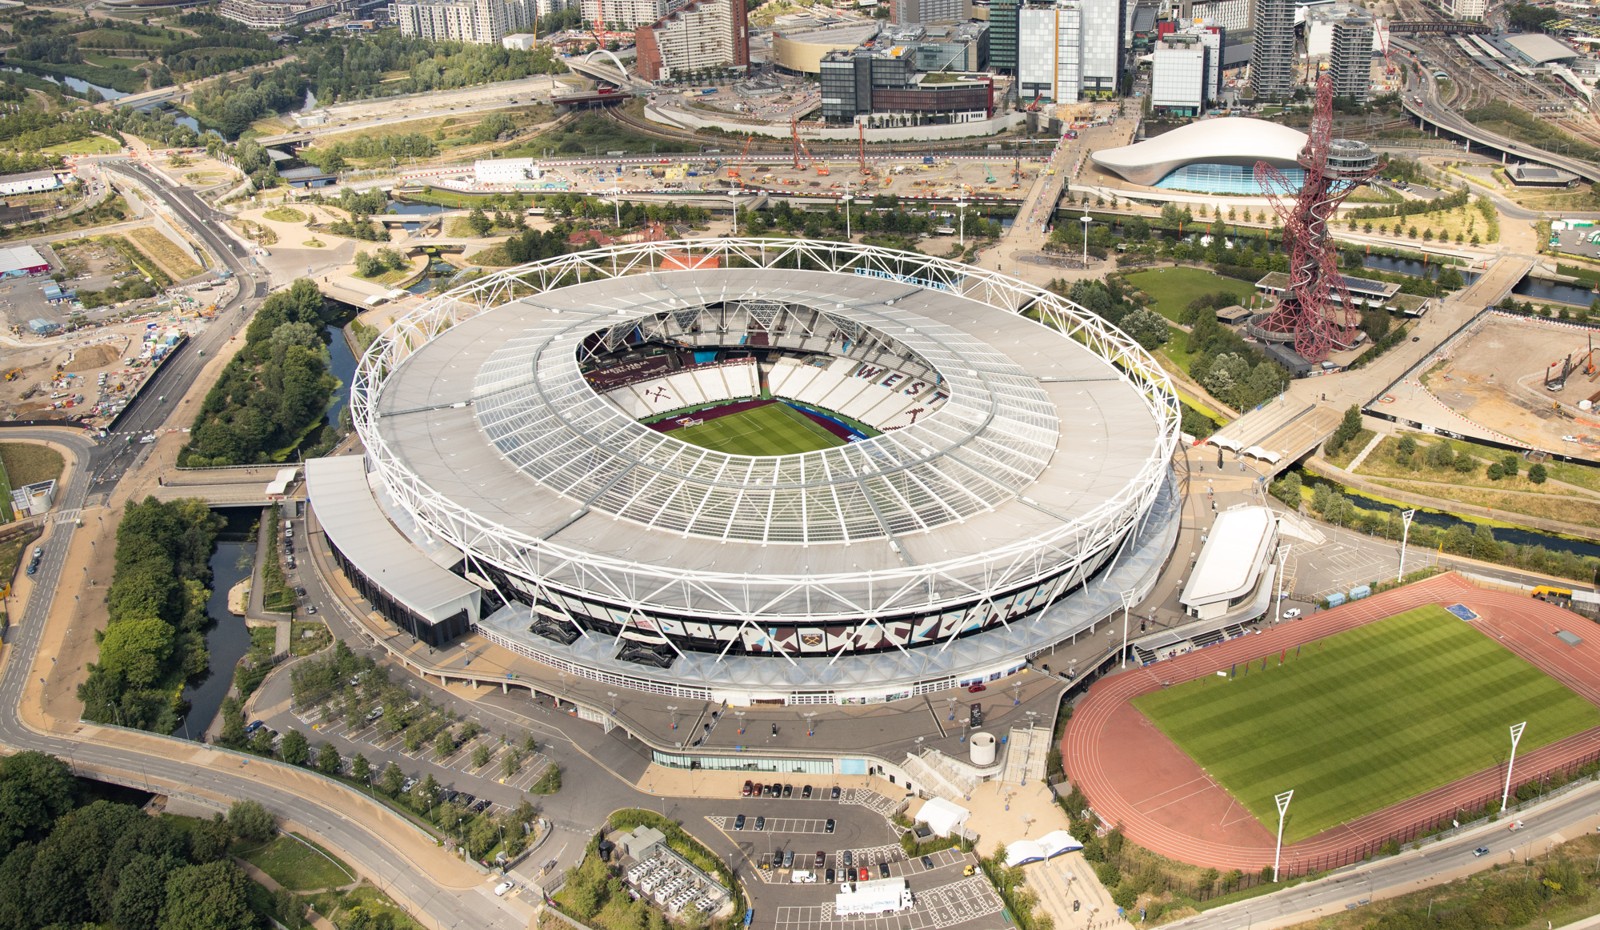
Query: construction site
(90, 376)
(1523, 380)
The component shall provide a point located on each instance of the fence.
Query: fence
(1528, 791)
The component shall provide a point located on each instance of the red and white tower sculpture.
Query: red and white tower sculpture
(1306, 313)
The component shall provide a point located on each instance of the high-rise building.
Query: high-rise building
(1178, 69)
(1272, 55)
(963, 47)
(625, 14)
(1467, 9)
(703, 36)
(480, 22)
(1069, 52)
(1350, 61)
(1104, 23)
(881, 86)
(928, 12)
(1036, 53)
(1003, 35)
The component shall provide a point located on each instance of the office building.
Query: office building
(1178, 69)
(954, 48)
(1069, 52)
(1144, 25)
(703, 37)
(1003, 20)
(928, 12)
(1467, 9)
(1272, 55)
(1104, 23)
(881, 87)
(1036, 53)
(1350, 61)
(480, 22)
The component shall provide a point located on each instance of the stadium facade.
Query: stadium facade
(1212, 156)
(1001, 481)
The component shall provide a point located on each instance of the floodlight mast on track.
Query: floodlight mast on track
(1516, 737)
(1283, 808)
(1405, 536)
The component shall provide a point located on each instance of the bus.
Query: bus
(1546, 592)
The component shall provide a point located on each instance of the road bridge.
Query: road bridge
(1436, 27)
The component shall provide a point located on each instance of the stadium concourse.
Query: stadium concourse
(1135, 777)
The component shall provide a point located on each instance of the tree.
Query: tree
(390, 781)
(1509, 465)
(294, 749)
(249, 820)
(141, 892)
(481, 756)
(479, 222)
(207, 897)
(35, 790)
(444, 744)
(329, 762)
(360, 768)
(1537, 473)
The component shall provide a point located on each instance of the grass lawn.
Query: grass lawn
(776, 429)
(93, 145)
(1177, 349)
(1365, 719)
(299, 865)
(1172, 289)
(285, 215)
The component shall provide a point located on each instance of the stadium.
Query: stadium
(759, 469)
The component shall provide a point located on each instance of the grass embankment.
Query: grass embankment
(285, 215)
(299, 864)
(174, 261)
(1338, 720)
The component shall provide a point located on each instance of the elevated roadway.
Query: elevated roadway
(1426, 109)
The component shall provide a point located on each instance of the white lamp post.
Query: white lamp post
(616, 201)
(1085, 220)
(961, 220)
(733, 198)
(1283, 807)
(1277, 605)
(1405, 535)
(1127, 602)
(1516, 737)
(847, 201)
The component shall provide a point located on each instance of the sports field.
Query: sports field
(1364, 719)
(775, 429)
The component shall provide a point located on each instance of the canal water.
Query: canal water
(1413, 267)
(1556, 291)
(227, 639)
(71, 83)
(341, 364)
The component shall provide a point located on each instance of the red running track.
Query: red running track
(1136, 777)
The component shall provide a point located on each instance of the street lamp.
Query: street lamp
(616, 201)
(1085, 220)
(613, 696)
(1516, 737)
(673, 710)
(847, 201)
(961, 219)
(740, 715)
(1127, 599)
(1283, 807)
(1277, 605)
(811, 729)
(733, 198)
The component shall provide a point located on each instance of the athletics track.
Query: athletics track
(1135, 777)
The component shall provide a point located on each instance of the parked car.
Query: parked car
(755, 789)
(975, 689)
(927, 862)
(828, 828)
(821, 859)
(835, 795)
(747, 787)
(761, 823)
(1291, 613)
(806, 792)
(883, 869)
(788, 859)
(501, 889)
(830, 876)
(862, 874)
(849, 859)
(788, 791)
(738, 822)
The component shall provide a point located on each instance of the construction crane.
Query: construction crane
(1034, 106)
(1383, 46)
(861, 135)
(801, 151)
(735, 171)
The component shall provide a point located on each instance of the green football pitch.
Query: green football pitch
(775, 429)
(1365, 718)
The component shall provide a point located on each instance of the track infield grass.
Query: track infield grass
(1364, 719)
(775, 429)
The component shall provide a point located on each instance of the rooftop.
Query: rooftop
(1232, 557)
(1541, 49)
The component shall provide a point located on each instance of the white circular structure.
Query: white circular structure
(981, 749)
(1007, 448)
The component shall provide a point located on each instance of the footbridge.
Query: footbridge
(1278, 433)
(242, 486)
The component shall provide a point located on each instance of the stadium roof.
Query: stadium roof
(349, 514)
(495, 415)
(1228, 140)
(1541, 49)
(1238, 546)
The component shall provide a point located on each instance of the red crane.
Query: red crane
(1306, 313)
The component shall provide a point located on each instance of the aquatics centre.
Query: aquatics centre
(755, 469)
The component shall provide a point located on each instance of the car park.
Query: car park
(738, 822)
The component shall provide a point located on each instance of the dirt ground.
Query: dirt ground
(92, 264)
(1496, 378)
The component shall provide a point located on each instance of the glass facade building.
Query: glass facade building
(1003, 35)
(1223, 179)
(1104, 25)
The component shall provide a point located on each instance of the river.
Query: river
(342, 364)
(1557, 291)
(227, 639)
(71, 83)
